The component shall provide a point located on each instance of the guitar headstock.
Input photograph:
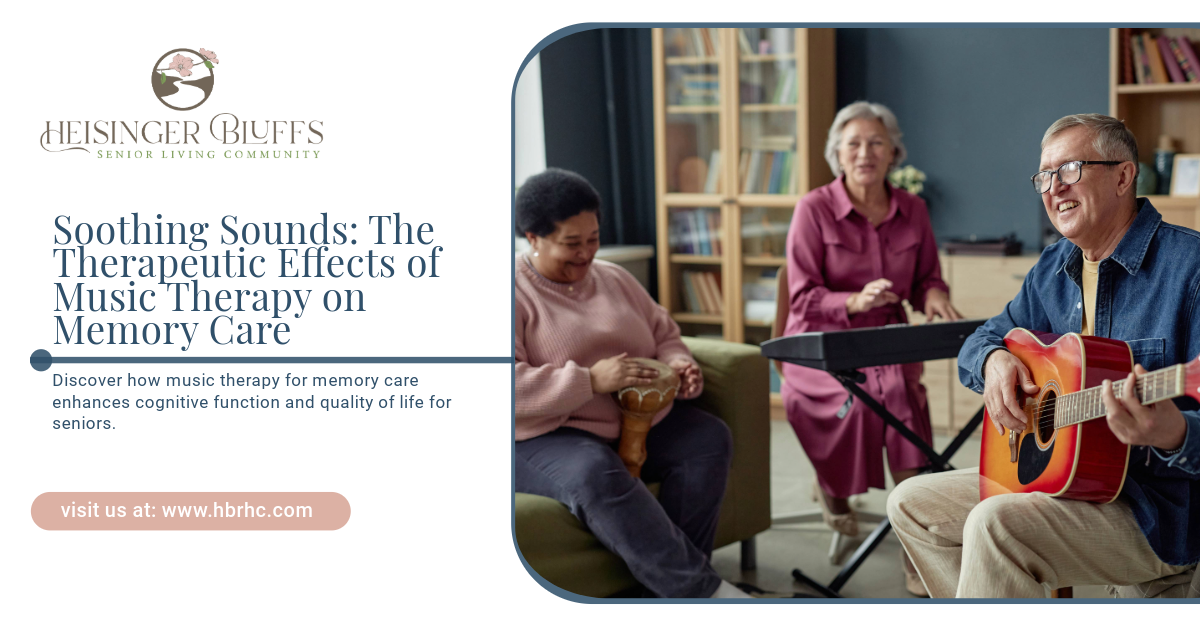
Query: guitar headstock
(1191, 375)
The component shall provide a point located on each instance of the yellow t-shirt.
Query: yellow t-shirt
(1091, 273)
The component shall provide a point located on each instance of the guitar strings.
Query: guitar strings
(1046, 410)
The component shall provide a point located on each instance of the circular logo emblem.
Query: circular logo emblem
(183, 78)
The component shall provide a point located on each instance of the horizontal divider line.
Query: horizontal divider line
(284, 360)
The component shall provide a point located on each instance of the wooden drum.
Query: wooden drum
(639, 404)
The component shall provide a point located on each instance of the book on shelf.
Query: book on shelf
(1185, 66)
(1169, 60)
(707, 302)
(1189, 53)
(714, 291)
(691, 298)
(1124, 35)
(768, 171)
(1157, 69)
(785, 88)
(751, 93)
(1141, 69)
(701, 291)
(695, 231)
(1147, 59)
(714, 229)
(712, 184)
(700, 229)
(744, 42)
(697, 42)
(699, 89)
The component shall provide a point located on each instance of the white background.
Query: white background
(415, 100)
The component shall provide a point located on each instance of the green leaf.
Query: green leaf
(208, 64)
(162, 78)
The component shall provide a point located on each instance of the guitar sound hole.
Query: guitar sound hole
(1045, 417)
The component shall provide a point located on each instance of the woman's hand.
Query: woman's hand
(937, 303)
(612, 374)
(689, 378)
(873, 295)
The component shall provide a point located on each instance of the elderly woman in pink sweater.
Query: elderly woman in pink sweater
(578, 321)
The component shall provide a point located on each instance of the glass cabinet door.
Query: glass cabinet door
(767, 93)
(693, 106)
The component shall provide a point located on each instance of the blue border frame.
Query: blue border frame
(577, 28)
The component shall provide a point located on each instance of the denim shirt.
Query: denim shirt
(1146, 295)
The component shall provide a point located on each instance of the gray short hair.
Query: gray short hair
(868, 111)
(1111, 138)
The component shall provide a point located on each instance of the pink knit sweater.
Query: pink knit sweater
(564, 328)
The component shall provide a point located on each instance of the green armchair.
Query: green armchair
(736, 389)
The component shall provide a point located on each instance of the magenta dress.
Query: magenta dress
(832, 252)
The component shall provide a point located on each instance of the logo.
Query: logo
(183, 78)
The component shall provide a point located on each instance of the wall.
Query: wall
(973, 104)
(529, 136)
(583, 75)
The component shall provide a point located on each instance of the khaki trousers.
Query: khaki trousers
(1013, 545)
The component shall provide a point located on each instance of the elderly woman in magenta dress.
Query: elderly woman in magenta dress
(856, 249)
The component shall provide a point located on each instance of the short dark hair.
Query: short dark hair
(551, 197)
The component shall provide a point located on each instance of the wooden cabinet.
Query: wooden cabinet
(740, 118)
(1150, 111)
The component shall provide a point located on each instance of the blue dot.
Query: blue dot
(41, 360)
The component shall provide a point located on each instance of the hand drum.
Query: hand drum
(639, 404)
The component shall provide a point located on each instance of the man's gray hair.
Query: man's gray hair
(866, 111)
(1110, 137)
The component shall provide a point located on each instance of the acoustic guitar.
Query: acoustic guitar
(1062, 451)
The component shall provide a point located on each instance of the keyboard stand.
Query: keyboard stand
(850, 379)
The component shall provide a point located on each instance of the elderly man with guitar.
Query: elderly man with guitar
(1090, 469)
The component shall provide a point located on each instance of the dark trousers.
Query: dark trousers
(665, 542)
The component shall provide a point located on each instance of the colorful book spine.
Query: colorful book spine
(1185, 66)
(702, 242)
(744, 42)
(691, 295)
(714, 292)
(776, 171)
(1186, 47)
(1157, 69)
(764, 179)
(752, 174)
(1169, 60)
(714, 230)
(1141, 68)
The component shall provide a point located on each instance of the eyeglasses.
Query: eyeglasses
(1068, 174)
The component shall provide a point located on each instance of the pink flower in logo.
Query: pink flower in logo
(210, 55)
(182, 64)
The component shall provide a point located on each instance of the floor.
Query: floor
(806, 546)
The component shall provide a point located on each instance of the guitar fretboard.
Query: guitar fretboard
(1088, 404)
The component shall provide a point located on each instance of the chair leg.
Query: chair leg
(749, 555)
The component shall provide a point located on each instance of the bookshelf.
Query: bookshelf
(1156, 109)
(740, 117)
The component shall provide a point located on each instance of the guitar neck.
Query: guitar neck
(1088, 404)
